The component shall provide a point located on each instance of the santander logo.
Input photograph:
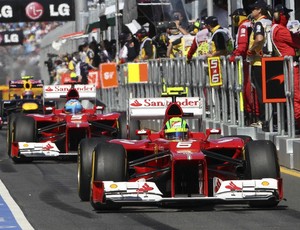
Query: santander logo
(136, 103)
(158, 102)
(34, 10)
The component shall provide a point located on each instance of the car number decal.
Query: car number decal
(186, 144)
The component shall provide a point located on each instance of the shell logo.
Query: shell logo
(25, 145)
(113, 186)
(265, 183)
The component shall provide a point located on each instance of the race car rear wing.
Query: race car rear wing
(155, 108)
(28, 84)
(57, 92)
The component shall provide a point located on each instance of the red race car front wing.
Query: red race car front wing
(147, 193)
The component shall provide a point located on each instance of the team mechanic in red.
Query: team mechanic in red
(285, 44)
(244, 26)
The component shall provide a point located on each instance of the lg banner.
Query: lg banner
(36, 10)
(8, 38)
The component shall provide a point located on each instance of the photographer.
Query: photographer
(181, 22)
(161, 40)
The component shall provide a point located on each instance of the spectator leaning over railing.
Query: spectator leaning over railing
(243, 27)
(200, 44)
(285, 44)
(255, 52)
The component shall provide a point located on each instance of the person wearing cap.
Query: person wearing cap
(129, 50)
(147, 49)
(257, 40)
(220, 39)
(243, 25)
(89, 53)
(285, 44)
(180, 21)
(174, 41)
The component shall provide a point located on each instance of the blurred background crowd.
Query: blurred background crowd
(23, 59)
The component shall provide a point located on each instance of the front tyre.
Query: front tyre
(24, 130)
(262, 162)
(109, 164)
(84, 164)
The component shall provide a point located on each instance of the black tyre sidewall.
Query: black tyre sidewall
(109, 164)
(85, 150)
(262, 160)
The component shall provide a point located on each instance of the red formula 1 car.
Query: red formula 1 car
(57, 132)
(177, 166)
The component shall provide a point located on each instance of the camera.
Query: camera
(176, 17)
(50, 55)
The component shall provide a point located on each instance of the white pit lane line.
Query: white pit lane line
(14, 208)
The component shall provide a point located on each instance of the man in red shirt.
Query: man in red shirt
(243, 25)
(285, 44)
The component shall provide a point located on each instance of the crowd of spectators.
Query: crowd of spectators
(23, 59)
(204, 36)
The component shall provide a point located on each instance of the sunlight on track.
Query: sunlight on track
(290, 172)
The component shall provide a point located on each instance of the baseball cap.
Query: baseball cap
(239, 11)
(211, 20)
(261, 4)
(281, 8)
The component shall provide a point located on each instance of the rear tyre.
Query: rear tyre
(24, 130)
(262, 162)
(128, 132)
(109, 164)
(84, 163)
(10, 122)
(133, 126)
(123, 129)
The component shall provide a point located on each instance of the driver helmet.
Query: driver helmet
(176, 129)
(28, 94)
(73, 106)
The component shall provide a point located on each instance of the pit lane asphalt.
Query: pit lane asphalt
(46, 192)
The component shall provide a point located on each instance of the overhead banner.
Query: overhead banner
(10, 38)
(36, 10)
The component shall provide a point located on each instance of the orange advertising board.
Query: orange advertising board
(108, 75)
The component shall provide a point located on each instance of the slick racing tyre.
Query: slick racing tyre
(24, 130)
(109, 164)
(10, 122)
(128, 132)
(84, 163)
(262, 162)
